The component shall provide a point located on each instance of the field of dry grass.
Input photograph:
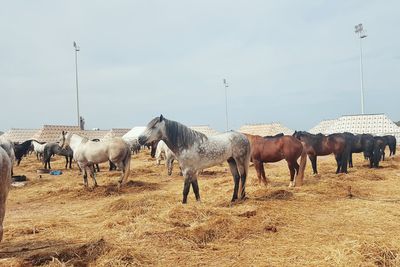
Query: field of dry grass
(332, 220)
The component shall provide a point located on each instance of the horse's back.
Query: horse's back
(214, 150)
(235, 141)
(8, 146)
(97, 152)
(276, 148)
(5, 182)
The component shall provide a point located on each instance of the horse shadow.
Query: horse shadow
(112, 189)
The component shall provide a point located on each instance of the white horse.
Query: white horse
(5, 181)
(87, 153)
(196, 151)
(38, 148)
(169, 156)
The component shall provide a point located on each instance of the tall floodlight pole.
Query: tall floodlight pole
(359, 30)
(76, 81)
(226, 103)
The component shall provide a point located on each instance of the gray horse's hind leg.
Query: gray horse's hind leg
(243, 168)
(186, 187)
(84, 172)
(85, 180)
(236, 177)
(121, 166)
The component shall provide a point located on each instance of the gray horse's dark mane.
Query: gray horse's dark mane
(180, 136)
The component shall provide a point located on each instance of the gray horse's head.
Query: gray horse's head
(155, 130)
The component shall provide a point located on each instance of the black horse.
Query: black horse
(153, 146)
(321, 145)
(360, 143)
(21, 150)
(391, 142)
(379, 151)
(51, 149)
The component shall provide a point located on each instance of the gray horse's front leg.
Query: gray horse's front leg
(82, 167)
(93, 175)
(85, 180)
(186, 185)
(195, 186)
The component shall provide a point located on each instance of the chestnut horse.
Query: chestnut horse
(274, 149)
(321, 145)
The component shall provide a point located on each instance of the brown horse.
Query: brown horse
(274, 149)
(321, 145)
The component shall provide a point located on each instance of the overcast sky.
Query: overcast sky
(294, 62)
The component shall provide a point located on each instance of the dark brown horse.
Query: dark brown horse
(360, 143)
(321, 145)
(379, 151)
(274, 149)
(391, 142)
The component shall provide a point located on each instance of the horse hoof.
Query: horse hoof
(291, 184)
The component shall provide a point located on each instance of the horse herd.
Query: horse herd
(195, 151)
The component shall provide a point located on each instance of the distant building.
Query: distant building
(265, 129)
(20, 135)
(375, 124)
(205, 129)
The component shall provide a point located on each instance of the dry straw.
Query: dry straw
(332, 220)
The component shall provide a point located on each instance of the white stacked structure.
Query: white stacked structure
(265, 129)
(205, 129)
(375, 124)
(116, 132)
(20, 135)
(52, 133)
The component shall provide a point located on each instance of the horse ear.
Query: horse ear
(161, 118)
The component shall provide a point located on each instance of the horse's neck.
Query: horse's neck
(173, 147)
(181, 137)
(75, 141)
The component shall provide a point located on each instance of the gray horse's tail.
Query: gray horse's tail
(303, 162)
(127, 163)
(243, 176)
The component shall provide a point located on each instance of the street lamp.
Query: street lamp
(359, 30)
(226, 103)
(76, 81)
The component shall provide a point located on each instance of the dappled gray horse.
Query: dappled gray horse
(196, 151)
(5, 182)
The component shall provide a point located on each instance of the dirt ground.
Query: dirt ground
(332, 220)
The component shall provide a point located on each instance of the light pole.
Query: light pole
(359, 30)
(76, 81)
(226, 103)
